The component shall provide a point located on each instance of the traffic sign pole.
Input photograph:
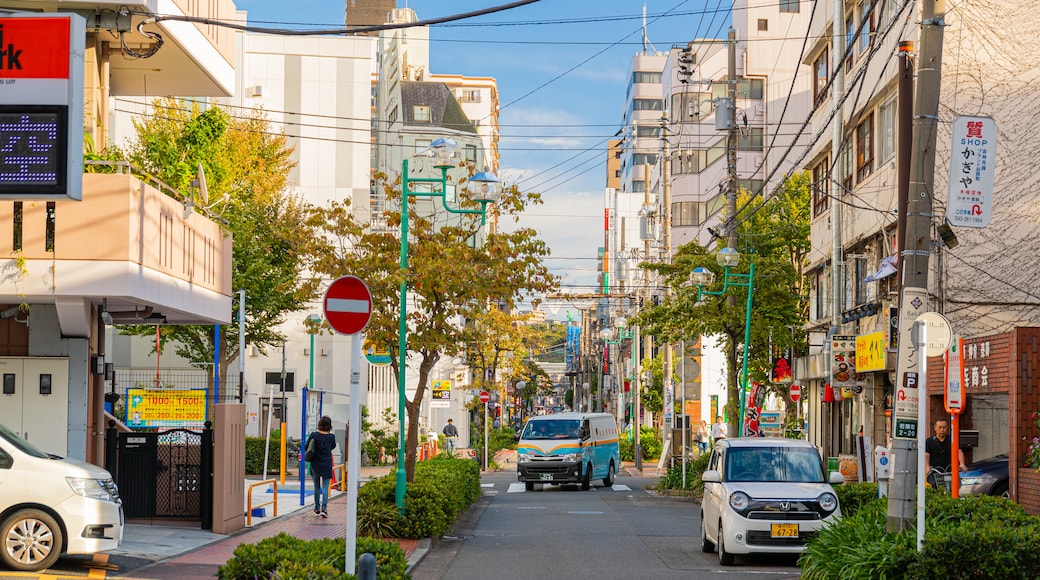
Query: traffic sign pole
(485, 397)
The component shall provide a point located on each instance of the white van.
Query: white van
(568, 448)
(51, 505)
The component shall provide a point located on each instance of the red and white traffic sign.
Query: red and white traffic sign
(796, 393)
(348, 305)
(485, 397)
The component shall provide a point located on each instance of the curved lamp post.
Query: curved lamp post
(701, 276)
(444, 151)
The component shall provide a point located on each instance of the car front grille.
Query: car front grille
(784, 516)
(761, 538)
(546, 468)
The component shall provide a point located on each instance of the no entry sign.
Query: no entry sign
(796, 393)
(348, 305)
(485, 396)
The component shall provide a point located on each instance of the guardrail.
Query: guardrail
(249, 499)
(341, 481)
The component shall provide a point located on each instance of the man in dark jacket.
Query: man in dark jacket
(451, 433)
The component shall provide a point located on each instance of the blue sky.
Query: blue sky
(561, 67)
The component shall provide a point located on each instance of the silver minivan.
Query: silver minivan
(51, 505)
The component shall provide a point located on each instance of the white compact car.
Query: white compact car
(51, 505)
(765, 495)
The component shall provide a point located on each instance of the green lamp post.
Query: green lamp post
(444, 151)
(701, 276)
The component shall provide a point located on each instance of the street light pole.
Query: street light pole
(728, 258)
(445, 150)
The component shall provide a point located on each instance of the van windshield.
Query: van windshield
(10, 437)
(553, 429)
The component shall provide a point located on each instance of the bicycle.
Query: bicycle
(940, 478)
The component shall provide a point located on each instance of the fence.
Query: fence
(172, 382)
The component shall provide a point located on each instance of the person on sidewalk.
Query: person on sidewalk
(451, 433)
(719, 430)
(321, 466)
(703, 433)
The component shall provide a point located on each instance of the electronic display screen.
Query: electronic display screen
(33, 150)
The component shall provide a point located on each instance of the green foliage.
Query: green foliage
(443, 488)
(288, 557)
(501, 438)
(648, 440)
(694, 469)
(1033, 451)
(975, 537)
(379, 445)
(853, 496)
(255, 453)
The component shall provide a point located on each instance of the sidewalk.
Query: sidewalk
(179, 552)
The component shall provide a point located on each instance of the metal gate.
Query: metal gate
(165, 475)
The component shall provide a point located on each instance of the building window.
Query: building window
(789, 6)
(845, 167)
(869, 25)
(751, 185)
(392, 117)
(470, 96)
(49, 235)
(421, 113)
(821, 71)
(648, 131)
(746, 89)
(649, 77)
(275, 380)
(850, 39)
(646, 104)
(685, 213)
(865, 148)
(753, 141)
(644, 159)
(821, 187)
(691, 107)
(886, 131)
(16, 227)
(638, 186)
(471, 153)
(763, 25)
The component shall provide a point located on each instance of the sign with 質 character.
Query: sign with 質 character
(973, 163)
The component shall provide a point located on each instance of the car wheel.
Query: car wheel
(725, 558)
(529, 485)
(1001, 490)
(32, 541)
(706, 546)
(586, 482)
(609, 479)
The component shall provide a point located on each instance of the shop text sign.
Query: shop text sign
(870, 352)
(151, 408)
(973, 159)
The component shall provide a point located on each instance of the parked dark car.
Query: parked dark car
(986, 477)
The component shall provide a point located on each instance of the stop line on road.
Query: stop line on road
(519, 487)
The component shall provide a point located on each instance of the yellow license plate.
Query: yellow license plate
(784, 530)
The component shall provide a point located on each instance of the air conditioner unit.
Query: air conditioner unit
(255, 91)
(254, 351)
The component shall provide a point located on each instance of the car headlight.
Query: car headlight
(92, 488)
(571, 457)
(972, 481)
(828, 502)
(739, 501)
(523, 457)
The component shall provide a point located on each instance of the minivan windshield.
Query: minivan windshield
(10, 437)
(774, 464)
(553, 429)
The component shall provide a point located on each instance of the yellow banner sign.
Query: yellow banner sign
(870, 352)
(153, 408)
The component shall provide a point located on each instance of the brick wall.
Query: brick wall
(1023, 402)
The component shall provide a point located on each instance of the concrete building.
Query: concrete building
(127, 251)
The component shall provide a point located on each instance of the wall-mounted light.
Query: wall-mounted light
(97, 364)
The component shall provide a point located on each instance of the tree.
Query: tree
(772, 233)
(450, 277)
(246, 167)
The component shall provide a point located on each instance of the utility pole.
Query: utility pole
(836, 185)
(911, 385)
(730, 125)
(668, 414)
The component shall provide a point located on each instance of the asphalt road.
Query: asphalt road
(619, 532)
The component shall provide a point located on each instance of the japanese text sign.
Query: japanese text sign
(973, 157)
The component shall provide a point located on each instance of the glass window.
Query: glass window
(646, 104)
(753, 141)
(789, 6)
(867, 20)
(638, 186)
(644, 159)
(691, 107)
(821, 71)
(641, 76)
(845, 167)
(686, 213)
(422, 113)
(471, 153)
(850, 39)
(553, 429)
(821, 187)
(773, 464)
(886, 131)
(648, 131)
(746, 89)
(865, 148)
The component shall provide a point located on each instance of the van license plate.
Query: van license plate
(785, 530)
(546, 477)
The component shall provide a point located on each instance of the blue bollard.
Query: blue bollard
(366, 567)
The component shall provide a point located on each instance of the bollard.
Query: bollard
(366, 567)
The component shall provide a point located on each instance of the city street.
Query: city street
(621, 532)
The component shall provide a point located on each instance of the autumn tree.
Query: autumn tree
(450, 277)
(772, 233)
(246, 166)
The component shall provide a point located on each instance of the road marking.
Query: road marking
(619, 487)
(516, 487)
(487, 485)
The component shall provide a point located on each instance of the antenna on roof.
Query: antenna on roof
(646, 40)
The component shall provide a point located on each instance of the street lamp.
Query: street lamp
(701, 277)
(444, 151)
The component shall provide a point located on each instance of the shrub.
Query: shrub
(288, 557)
(255, 453)
(976, 537)
(443, 488)
(647, 440)
(853, 496)
(694, 470)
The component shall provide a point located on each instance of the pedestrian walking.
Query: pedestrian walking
(451, 434)
(719, 430)
(319, 454)
(703, 434)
